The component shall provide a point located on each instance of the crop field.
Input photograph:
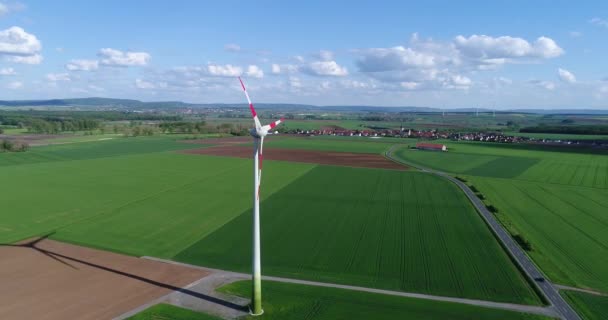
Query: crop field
(566, 226)
(127, 195)
(371, 227)
(567, 166)
(380, 228)
(290, 301)
(556, 200)
(588, 306)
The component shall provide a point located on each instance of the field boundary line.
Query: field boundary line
(546, 311)
(524, 263)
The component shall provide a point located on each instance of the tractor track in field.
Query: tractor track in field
(549, 290)
(229, 277)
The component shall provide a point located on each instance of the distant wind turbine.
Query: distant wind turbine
(258, 133)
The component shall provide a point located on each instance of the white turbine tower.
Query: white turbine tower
(258, 133)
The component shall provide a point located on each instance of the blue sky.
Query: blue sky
(502, 54)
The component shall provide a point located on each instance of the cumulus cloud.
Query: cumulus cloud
(19, 46)
(566, 76)
(14, 85)
(54, 77)
(82, 65)
(325, 55)
(543, 84)
(35, 59)
(255, 71)
(142, 84)
(7, 72)
(395, 58)
(226, 70)
(506, 47)
(232, 47)
(325, 68)
(599, 22)
(283, 68)
(116, 58)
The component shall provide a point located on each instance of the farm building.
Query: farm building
(431, 146)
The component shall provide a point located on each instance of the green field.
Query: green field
(169, 312)
(395, 230)
(292, 302)
(556, 198)
(588, 306)
(380, 228)
(127, 195)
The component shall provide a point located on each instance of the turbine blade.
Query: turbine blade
(260, 162)
(253, 113)
(272, 125)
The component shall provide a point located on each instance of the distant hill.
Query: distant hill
(95, 102)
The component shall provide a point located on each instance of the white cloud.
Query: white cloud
(486, 47)
(35, 59)
(54, 77)
(142, 84)
(543, 84)
(325, 68)
(325, 55)
(3, 9)
(7, 72)
(255, 71)
(226, 70)
(575, 34)
(459, 82)
(19, 46)
(15, 85)
(599, 22)
(566, 76)
(409, 85)
(82, 65)
(232, 47)
(116, 58)
(284, 68)
(395, 58)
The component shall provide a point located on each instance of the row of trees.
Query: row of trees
(61, 125)
(600, 129)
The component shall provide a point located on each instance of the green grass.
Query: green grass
(554, 197)
(588, 306)
(568, 166)
(566, 226)
(378, 228)
(556, 136)
(169, 312)
(292, 302)
(130, 198)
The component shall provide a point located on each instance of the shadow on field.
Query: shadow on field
(60, 258)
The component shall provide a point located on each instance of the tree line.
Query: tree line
(582, 129)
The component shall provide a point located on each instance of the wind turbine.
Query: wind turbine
(258, 133)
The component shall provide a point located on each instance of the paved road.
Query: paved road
(547, 288)
(230, 276)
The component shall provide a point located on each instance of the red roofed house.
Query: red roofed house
(431, 146)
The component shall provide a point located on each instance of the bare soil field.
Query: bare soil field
(46, 279)
(308, 156)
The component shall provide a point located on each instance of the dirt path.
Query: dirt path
(228, 277)
(46, 279)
